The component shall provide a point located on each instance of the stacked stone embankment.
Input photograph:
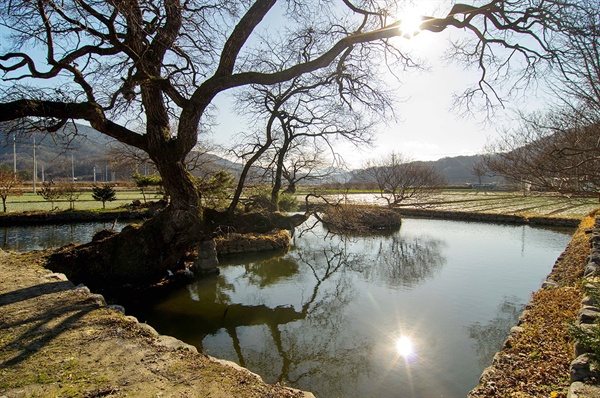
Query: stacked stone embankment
(584, 372)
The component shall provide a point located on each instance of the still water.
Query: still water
(417, 313)
(39, 237)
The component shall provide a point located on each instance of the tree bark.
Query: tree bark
(143, 254)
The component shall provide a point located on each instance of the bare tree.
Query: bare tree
(480, 170)
(306, 164)
(70, 191)
(8, 184)
(129, 160)
(306, 112)
(398, 178)
(557, 152)
(51, 192)
(117, 64)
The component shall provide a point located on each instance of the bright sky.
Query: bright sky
(427, 129)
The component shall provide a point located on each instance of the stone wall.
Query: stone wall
(584, 374)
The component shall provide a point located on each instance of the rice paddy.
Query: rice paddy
(495, 202)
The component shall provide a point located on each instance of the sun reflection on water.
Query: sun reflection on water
(405, 347)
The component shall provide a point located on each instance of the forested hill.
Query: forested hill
(459, 169)
(82, 148)
(76, 145)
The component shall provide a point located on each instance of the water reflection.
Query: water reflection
(489, 337)
(286, 342)
(333, 315)
(291, 317)
(404, 346)
(39, 237)
(264, 269)
(401, 262)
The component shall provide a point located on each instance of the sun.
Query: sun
(404, 346)
(410, 24)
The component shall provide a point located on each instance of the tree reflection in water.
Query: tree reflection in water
(402, 262)
(295, 325)
(489, 337)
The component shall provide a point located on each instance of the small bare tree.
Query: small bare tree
(398, 178)
(305, 165)
(8, 183)
(50, 192)
(480, 170)
(70, 191)
(303, 114)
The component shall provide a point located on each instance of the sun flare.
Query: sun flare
(410, 24)
(404, 346)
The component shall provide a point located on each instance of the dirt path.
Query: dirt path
(60, 341)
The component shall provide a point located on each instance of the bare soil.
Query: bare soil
(60, 341)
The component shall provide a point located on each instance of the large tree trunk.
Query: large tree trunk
(144, 254)
(141, 255)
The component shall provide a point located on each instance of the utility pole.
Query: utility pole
(72, 169)
(34, 166)
(15, 153)
(94, 174)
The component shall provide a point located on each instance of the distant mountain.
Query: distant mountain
(87, 149)
(459, 169)
(81, 148)
(74, 145)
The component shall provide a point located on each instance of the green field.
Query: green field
(32, 202)
(501, 202)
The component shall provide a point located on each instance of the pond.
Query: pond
(39, 237)
(417, 313)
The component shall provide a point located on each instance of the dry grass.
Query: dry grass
(343, 219)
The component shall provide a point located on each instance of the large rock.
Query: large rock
(582, 369)
(588, 314)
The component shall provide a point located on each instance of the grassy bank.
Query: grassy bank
(57, 341)
(459, 200)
